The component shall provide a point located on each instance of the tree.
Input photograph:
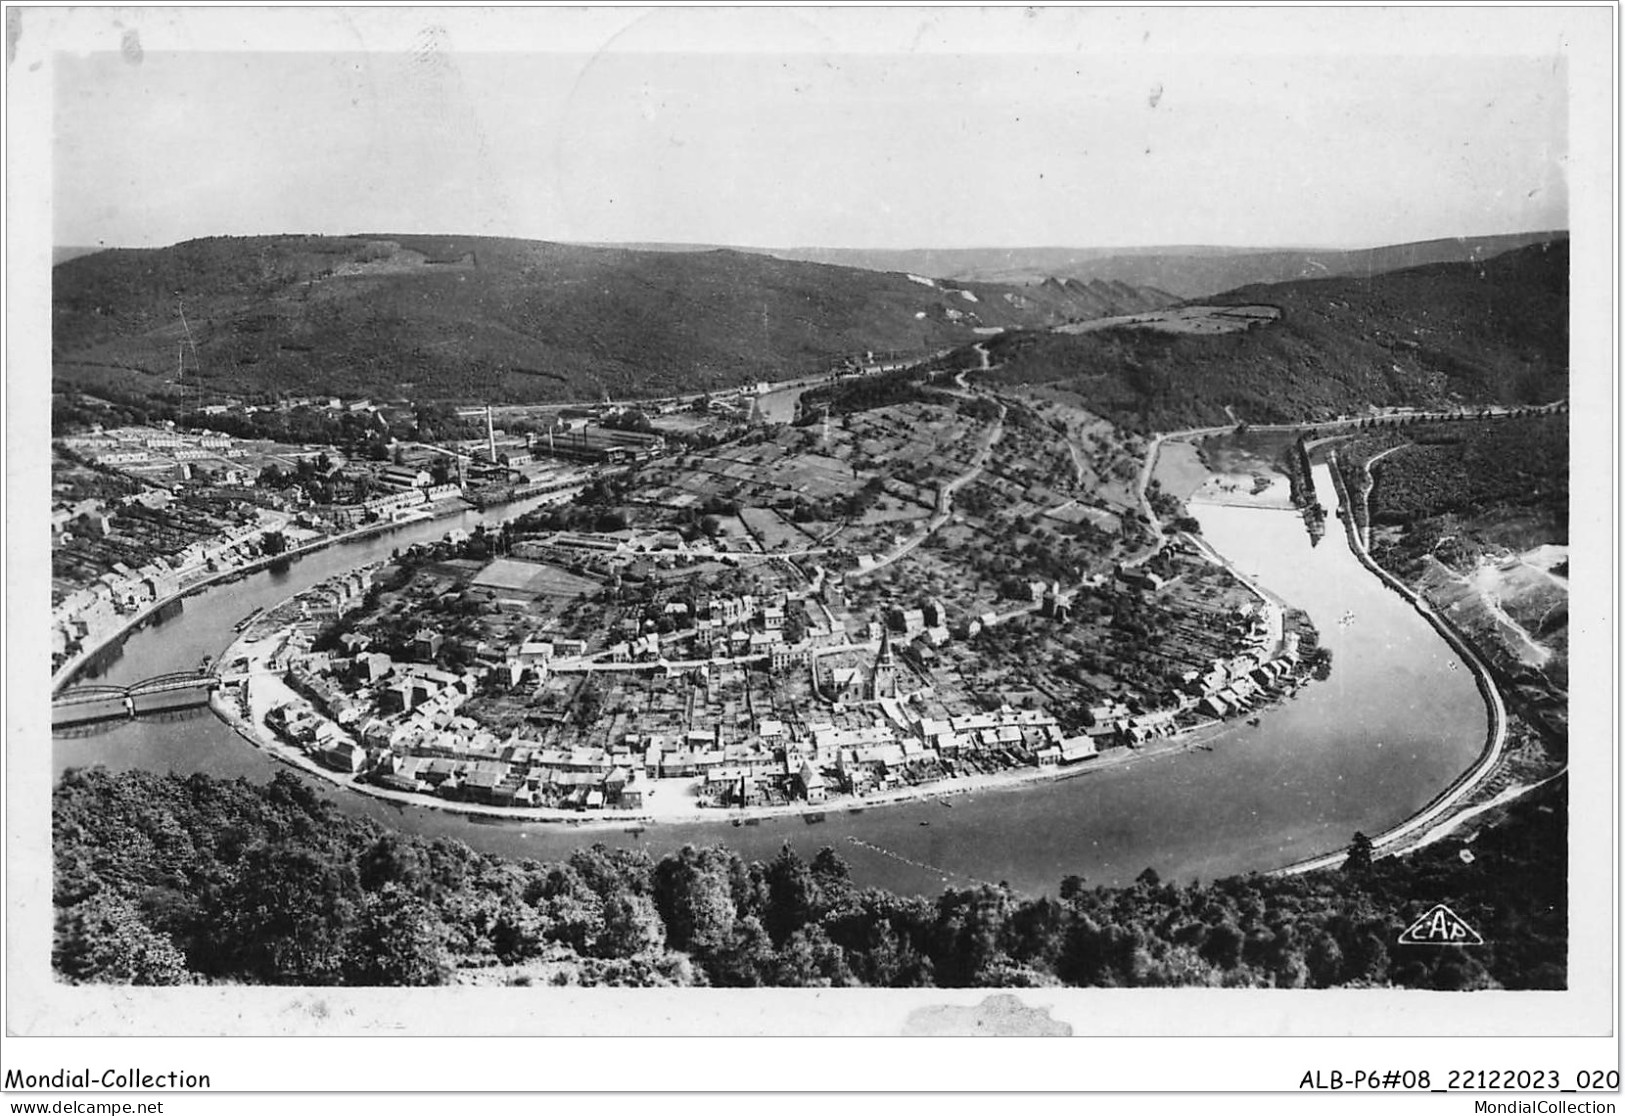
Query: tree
(632, 926)
(694, 895)
(747, 960)
(810, 960)
(397, 860)
(589, 705)
(105, 940)
(968, 936)
(1360, 856)
(398, 941)
(1325, 960)
(286, 918)
(792, 895)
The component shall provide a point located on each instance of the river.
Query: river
(780, 405)
(1397, 721)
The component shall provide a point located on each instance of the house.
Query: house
(402, 477)
(426, 644)
(786, 655)
(812, 784)
(345, 755)
(405, 695)
(373, 665)
(631, 791)
(1075, 748)
(935, 613)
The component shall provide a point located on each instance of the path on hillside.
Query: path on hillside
(945, 496)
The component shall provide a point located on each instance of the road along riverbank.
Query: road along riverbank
(674, 800)
(1495, 734)
(1363, 751)
(70, 670)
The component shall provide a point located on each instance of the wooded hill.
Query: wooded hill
(163, 880)
(1190, 272)
(1434, 336)
(485, 319)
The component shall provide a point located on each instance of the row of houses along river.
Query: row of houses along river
(1399, 719)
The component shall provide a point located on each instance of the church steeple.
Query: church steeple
(883, 675)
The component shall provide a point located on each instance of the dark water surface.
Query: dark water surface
(1397, 721)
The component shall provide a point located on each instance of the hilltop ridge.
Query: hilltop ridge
(1186, 271)
(1440, 335)
(475, 318)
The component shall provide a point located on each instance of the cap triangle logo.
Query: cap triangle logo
(1440, 926)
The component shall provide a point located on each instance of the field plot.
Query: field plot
(1140, 646)
(1184, 319)
(732, 531)
(772, 531)
(889, 509)
(757, 474)
(519, 578)
(1105, 460)
(1179, 470)
(1074, 512)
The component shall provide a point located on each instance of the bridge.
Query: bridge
(85, 704)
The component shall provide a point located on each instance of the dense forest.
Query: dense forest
(1473, 468)
(161, 879)
(1454, 490)
(483, 319)
(863, 393)
(1444, 334)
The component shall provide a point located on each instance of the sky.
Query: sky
(856, 128)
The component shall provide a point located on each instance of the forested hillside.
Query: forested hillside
(1475, 515)
(1188, 272)
(1441, 335)
(488, 319)
(163, 879)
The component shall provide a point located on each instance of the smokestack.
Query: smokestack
(490, 435)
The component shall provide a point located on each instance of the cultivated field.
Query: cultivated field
(1184, 319)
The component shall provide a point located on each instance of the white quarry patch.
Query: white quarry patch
(967, 296)
(922, 280)
(1545, 556)
(919, 313)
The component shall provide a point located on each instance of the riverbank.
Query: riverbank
(1318, 768)
(68, 671)
(1432, 815)
(674, 809)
